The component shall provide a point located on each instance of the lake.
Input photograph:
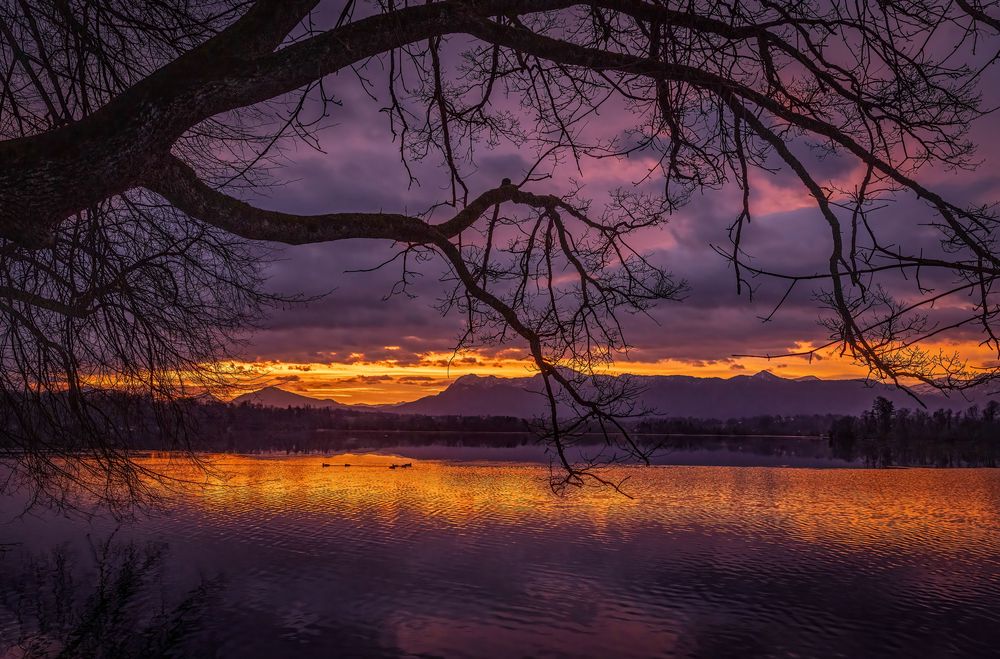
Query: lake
(470, 559)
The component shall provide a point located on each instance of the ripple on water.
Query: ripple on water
(482, 560)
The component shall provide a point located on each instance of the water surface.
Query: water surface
(458, 559)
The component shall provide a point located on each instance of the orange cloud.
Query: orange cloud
(361, 381)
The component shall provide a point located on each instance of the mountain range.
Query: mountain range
(663, 395)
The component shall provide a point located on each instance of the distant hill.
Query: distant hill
(474, 395)
(275, 397)
(663, 395)
(683, 396)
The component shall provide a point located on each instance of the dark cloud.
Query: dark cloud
(359, 168)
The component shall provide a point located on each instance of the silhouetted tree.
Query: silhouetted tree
(914, 437)
(882, 409)
(990, 413)
(128, 130)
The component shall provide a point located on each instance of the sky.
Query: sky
(358, 344)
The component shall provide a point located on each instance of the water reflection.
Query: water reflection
(482, 560)
(110, 603)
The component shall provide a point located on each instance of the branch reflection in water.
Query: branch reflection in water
(111, 601)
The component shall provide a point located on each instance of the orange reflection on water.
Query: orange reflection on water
(442, 558)
(955, 510)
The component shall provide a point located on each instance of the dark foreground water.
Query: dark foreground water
(289, 559)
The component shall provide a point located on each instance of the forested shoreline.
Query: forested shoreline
(885, 436)
(881, 437)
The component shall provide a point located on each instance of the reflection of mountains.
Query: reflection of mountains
(666, 395)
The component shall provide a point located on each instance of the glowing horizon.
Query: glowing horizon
(384, 381)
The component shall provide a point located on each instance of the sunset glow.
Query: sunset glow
(376, 382)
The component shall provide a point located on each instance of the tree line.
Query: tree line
(880, 437)
(885, 436)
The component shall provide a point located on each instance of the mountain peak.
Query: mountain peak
(273, 396)
(767, 376)
(473, 380)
